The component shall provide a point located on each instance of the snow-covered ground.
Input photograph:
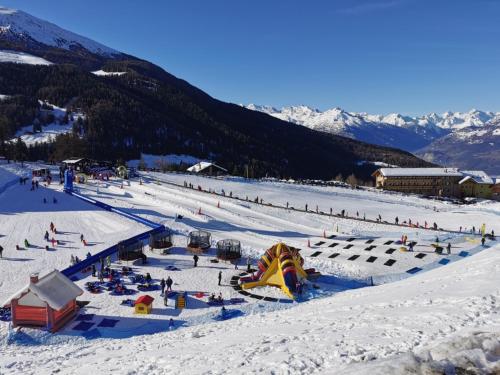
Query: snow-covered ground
(105, 74)
(432, 321)
(22, 58)
(49, 131)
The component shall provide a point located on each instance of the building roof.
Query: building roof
(73, 161)
(146, 299)
(419, 172)
(198, 167)
(55, 289)
(479, 177)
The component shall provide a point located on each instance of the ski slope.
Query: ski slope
(444, 317)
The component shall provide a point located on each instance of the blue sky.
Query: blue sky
(376, 56)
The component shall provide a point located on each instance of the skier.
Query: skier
(162, 284)
(220, 277)
(169, 283)
(195, 259)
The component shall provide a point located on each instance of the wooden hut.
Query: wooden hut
(143, 304)
(48, 302)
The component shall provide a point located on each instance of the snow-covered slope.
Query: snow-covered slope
(16, 24)
(49, 131)
(442, 321)
(21, 58)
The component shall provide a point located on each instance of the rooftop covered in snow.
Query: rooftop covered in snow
(54, 289)
(202, 165)
(479, 177)
(418, 172)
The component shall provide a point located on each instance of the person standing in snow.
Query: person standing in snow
(93, 270)
(220, 277)
(46, 236)
(396, 220)
(195, 259)
(169, 283)
(1, 251)
(448, 248)
(249, 264)
(163, 284)
(483, 240)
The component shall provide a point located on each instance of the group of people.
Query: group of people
(213, 298)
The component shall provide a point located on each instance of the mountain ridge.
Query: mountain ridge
(459, 133)
(148, 110)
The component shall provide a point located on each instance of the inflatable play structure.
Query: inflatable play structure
(68, 180)
(48, 302)
(122, 172)
(280, 266)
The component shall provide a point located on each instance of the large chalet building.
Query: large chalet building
(445, 182)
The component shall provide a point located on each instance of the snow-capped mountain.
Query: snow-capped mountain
(337, 120)
(18, 25)
(23, 33)
(461, 134)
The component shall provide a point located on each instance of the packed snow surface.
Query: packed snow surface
(21, 58)
(442, 319)
(104, 73)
